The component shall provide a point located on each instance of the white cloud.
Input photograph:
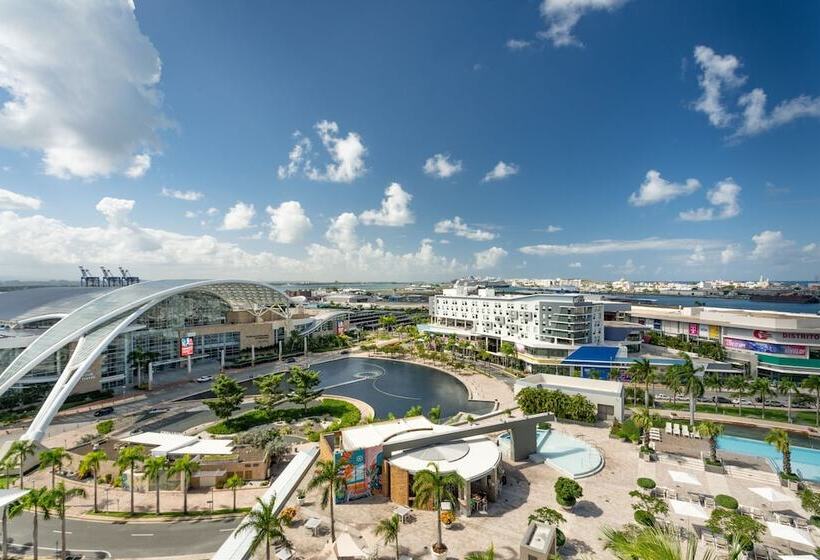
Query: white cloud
(489, 258)
(518, 44)
(768, 244)
(617, 246)
(575, 265)
(755, 119)
(395, 209)
(212, 211)
(15, 201)
(288, 222)
(730, 253)
(724, 198)
(441, 167)
(82, 85)
(553, 229)
(188, 196)
(346, 156)
(810, 248)
(115, 210)
(561, 16)
(458, 227)
(698, 256)
(190, 214)
(501, 171)
(342, 231)
(718, 72)
(239, 216)
(656, 189)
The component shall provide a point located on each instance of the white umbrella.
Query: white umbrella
(684, 478)
(789, 533)
(346, 547)
(688, 509)
(771, 495)
(798, 557)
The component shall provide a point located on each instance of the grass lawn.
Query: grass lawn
(169, 514)
(799, 416)
(346, 414)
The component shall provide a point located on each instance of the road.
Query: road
(123, 540)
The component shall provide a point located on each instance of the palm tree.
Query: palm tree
(787, 386)
(186, 467)
(431, 487)
(672, 380)
(488, 554)
(39, 501)
(58, 497)
(153, 467)
(53, 459)
(266, 526)
(713, 382)
(643, 372)
(740, 388)
(655, 543)
(812, 385)
(234, 481)
(780, 439)
(710, 431)
(691, 383)
(329, 476)
(762, 389)
(388, 529)
(139, 358)
(21, 450)
(91, 462)
(644, 419)
(128, 458)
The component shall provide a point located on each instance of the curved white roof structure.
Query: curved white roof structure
(471, 458)
(93, 325)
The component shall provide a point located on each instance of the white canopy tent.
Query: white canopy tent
(346, 548)
(789, 533)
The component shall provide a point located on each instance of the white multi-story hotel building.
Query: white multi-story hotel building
(544, 325)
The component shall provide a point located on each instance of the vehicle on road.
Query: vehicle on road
(345, 352)
(157, 410)
(104, 411)
(661, 397)
(290, 361)
(204, 378)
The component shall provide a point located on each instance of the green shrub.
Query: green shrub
(347, 414)
(560, 538)
(105, 427)
(646, 483)
(567, 491)
(726, 502)
(644, 518)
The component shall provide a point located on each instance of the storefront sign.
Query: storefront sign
(657, 324)
(764, 347)
(773, 336)
(186, 346)
(694, 329)
(714, 331)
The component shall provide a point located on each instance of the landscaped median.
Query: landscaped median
(170, 515)
(346, 414)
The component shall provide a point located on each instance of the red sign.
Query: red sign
(762, 335)
(186, 346)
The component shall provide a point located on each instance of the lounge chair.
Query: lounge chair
(709, 502)
(695, 433)
(676, 429)
(669, 428)
(684, 431)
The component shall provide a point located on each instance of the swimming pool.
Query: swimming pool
(805, 461)
(566, 454)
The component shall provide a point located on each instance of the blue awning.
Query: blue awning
(591, 355)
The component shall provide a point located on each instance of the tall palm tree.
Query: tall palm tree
(740, 388)
(21, 450)
(139, 359)
(234, 481)
(691, 384)
(780, 439)
(153, 467)
(388, 529)
(642, 371)
(787, 386)
(431, 487)
(53, 459)
(710, 431)
(266, 526)
(58, 497)
(39, 501)
(644, 419)
(488, 554)
(762, 389)
(329, 476)
(186, 467)
(655, 543)
(128, 458)
(713, 382)
(812, 385)
(91, 462)
(672, 380)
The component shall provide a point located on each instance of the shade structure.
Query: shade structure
(684, 478)
(688, 509)
(11, 495)
(346, 548)
(789, 533)
(771, 495)
(798, 557)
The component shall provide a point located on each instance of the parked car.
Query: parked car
(290, 360)
(157, 410)
(204, 378)
(104, 411)
(774, 403)
(724, 400)
(661, 397)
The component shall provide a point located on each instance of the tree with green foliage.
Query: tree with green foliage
(657, 543)
(762, 389)
(488, 554)
(139, 359)
(740, 388)
(671, 378)
(53, 459)
(550, 517)
(271, 392)
(266, 527)
(415, 410)
(710, 431)
(435, 414)
(266, 438)
(105, 427)
(21, 450)
(691, 383)
(39, 502)
(713, 382)
(787, 386)
(387, 322)
(642, 371)
(644, 419)
(228, 395)
(736, 527)
(91, 463)
(304, 383)
(567, 491)
(127, 459)
(812, 385)
(509, 352)
(388, 530)
(649, 503)
(431, 487)
(234, 482)
(58, 497)
(780, 439)
(810, 500)
(185, 467)
(329, 476)
(153, 467)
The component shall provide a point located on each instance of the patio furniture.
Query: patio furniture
(284, 554)
(676, 429)
(695, 434)
(684, 431)
(709, 502)
(801, 523)
(402, 512)
(313, 524)
(668, 428)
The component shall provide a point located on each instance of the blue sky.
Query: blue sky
(572, 138)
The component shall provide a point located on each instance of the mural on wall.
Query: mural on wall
(362, 471)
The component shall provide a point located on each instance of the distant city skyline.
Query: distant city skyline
(418, 142)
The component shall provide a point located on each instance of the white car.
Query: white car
(204, 378)
(661, 397)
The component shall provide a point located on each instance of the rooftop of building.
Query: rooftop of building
(34, 302)
(614, 388)
(730, 317)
